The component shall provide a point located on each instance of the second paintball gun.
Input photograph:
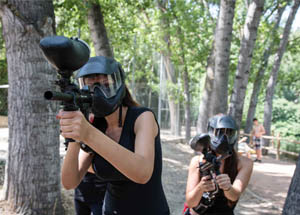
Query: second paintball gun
(210, 166)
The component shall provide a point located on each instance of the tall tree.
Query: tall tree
(254, 13)
(275, 69)
(183, 46)
(32, 179)
(205, 104)
(271, 42)
(187, 96)
(291, 205)
(222, 40)
(98, 30)
(169, 67)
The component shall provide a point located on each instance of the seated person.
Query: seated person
(243, 147)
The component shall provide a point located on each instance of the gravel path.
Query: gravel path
(176, 159)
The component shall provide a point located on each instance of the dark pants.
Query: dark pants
(83, 208)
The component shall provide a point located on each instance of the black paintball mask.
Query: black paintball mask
(223, 134)
(104, 77)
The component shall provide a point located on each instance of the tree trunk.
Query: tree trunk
(32, 179)
(171, 77)
(186, 87)
(205, 104)
(187, 104)
(243, 68)
(98, 30)
(261, 71)
(291, 205)
(174, 116)
(222, 52)
(273, 78)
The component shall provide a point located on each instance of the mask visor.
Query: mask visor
(108, 84)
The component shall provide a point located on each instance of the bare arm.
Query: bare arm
(196, 186)
(241, 181)
(74, 169)
(138, 165)
(251, 136)
(262, 130)
(242, 140)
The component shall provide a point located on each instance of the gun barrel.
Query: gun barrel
(52, 95)
(67, 97)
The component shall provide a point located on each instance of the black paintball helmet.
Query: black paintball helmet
(212, 123)
(224, 135)
(109, 92)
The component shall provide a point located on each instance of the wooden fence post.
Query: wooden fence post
(278, 147)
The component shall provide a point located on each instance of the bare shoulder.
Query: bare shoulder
(244, 163)
(146, 121)
(195, 161)
(146, 116)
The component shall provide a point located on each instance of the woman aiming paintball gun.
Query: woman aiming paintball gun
(218, 176)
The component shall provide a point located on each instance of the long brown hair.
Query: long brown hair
(231, 169)
(128, 101)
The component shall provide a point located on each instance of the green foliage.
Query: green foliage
(3, 78)
(3, 72)
(286, 118)
(289, 78)
(136, 31)
(71, 18)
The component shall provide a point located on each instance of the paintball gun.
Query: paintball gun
(67, 55)
(210, 166)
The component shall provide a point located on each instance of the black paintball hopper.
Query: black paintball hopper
(65, 54)
(200, 142)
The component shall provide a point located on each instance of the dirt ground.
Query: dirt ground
(3, 121)
(265, 194)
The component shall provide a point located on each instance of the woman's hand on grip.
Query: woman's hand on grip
(223, 182)
(207, 184)
(73, 125)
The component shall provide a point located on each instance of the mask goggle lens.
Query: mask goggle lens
(108, 84)
(230, 133)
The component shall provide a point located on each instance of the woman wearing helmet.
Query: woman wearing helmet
(232, 177)
(125, 143)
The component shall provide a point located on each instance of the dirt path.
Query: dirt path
(268, 187)
(176, 159)
(265, 194)
(3, 121)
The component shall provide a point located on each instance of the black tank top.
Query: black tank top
(220, 206)
(123, 196)
(90, 189)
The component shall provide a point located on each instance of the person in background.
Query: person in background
(257, 131)
(243, 147)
